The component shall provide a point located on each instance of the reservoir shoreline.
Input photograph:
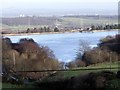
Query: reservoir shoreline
(46, 33)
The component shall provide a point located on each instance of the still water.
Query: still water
(65, 46)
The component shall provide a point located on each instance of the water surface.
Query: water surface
(65, 46)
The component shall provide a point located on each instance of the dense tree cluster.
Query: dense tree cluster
(27, 55)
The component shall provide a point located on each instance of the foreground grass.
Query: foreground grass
(113, 84)
(10, 85)
(61, 75)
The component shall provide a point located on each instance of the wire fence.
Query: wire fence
(81, 69)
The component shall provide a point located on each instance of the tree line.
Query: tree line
(58, 29)
(41, 30)
(106, 27)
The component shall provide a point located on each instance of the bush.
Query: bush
(80, 63)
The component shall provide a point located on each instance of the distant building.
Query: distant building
(22, 15)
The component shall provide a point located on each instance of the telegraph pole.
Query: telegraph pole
(14, 59)
(110, 59)
(29, 21)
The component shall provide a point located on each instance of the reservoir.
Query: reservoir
(65, 46)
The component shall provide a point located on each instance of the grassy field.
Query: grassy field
(66, 22)
(20, 27)
(87, 21)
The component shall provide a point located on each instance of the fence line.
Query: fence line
(82, 69)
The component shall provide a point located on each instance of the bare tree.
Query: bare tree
(83, 47)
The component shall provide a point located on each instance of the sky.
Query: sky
(39, 7)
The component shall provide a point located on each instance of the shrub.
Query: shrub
(80, 63)
(98, 56)
(6, 44)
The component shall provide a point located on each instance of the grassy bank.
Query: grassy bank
(68, 74)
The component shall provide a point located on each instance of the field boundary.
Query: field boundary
(72, 69)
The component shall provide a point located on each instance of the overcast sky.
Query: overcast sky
(29, 6)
